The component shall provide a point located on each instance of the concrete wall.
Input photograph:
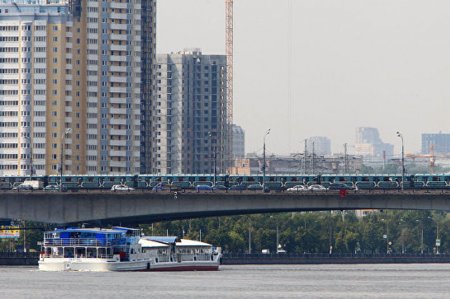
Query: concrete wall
(146, 207)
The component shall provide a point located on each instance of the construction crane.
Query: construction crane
(229, 54)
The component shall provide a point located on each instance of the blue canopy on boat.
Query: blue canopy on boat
(162, 239)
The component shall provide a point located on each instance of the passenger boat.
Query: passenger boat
(173, 254)
(93, 249)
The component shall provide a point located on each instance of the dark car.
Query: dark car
(254, 187)
(219, 187)
(340, 186)
(203, 188)
(238, 188)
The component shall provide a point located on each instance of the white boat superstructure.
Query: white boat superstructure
(93, 249)
(173, 254)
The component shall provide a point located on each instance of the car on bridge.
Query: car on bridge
(203, 188)
(219, 187)
(22, 187)
(316, 187)
(55, 188)
(121, 188)
(239, 187)
(297, 188)
(254, 187)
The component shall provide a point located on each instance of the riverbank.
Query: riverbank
(312, 259)
(31, 259)
(19, 259)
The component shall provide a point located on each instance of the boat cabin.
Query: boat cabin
(91, 243)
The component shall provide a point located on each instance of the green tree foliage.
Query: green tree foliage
(378, 232)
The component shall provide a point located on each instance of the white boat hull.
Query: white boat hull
(94, 265)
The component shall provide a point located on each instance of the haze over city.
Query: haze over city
(306, 68)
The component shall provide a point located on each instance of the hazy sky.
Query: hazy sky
(324, 67)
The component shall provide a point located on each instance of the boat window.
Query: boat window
(68, 252)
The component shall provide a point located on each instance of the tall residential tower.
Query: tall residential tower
(189, 121)
(70, 85)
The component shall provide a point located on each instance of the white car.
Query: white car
(316, 187)
(121, 188)
(297, 188)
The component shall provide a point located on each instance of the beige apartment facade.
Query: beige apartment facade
(70, 87)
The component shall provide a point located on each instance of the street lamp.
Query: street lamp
(31, 156)
(277, 240)
(403, 160)
(214, 148)
(63, 137)
(387, 236)
(264, 161)
(421, 235)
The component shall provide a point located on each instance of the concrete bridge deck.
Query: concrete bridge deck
(147, 206)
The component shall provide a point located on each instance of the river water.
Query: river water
(249, 281)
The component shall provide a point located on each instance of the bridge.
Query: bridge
(147, 207)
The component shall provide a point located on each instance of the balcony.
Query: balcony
(113, 26)
(118, 37)
(118, 47)
(122, 16)
(117, 142)
(116, 79)
(118, 5)
(117, 154)
(117, 121)
(122, 111)
(117, 58)
(117, 132)
(118, 89)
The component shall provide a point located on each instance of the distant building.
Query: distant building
(238, 142)
(369, 143)
(188, 120)
(252, 164)
(322, 145)
(436, 142)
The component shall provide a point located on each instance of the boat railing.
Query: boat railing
(195, 257)
(77, 256)
(77, 242)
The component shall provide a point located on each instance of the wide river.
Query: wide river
(254, 281)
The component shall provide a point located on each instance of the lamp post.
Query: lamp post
(277, 236)
(421, 235)
(31, 156)
(24, 236)
(403, 160)
(264, 161)
(438, 241)
(214, 149)
(387, 235)
(63, 137)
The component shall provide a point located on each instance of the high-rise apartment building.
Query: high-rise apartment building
(238, 142)
(148, 58)
(436, 143)
(70, 85)
(188, 125)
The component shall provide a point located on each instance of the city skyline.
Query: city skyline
(375, 64)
